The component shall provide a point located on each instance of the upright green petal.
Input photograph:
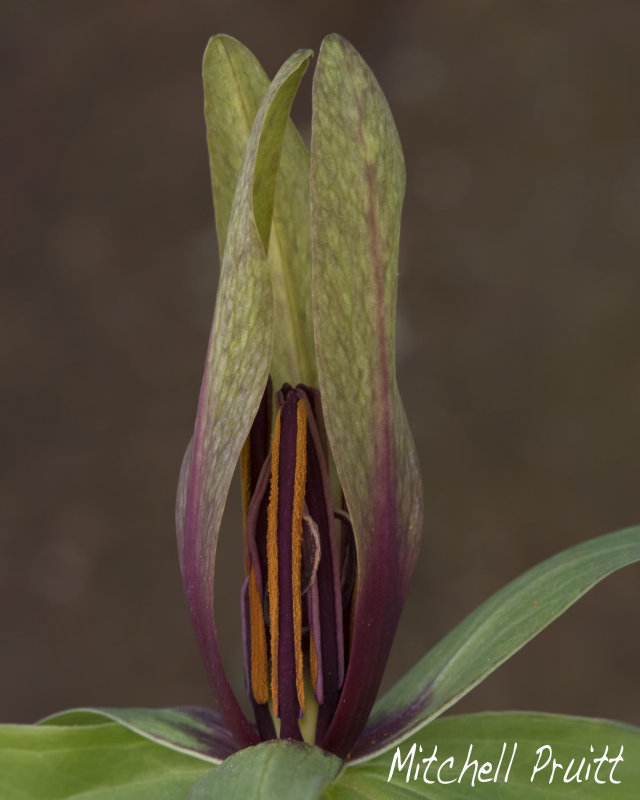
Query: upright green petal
(234, 84)
(357, 187)
(236, 371)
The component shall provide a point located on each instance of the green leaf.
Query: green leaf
(273, 770)
(491, 634)
(198, 732)
(236, 370)
(537, 737)
(234, 85)
(357, 187)
(91, 762)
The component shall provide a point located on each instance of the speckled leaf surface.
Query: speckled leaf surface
(236, 370)
(234, 85)
(357, 187)
(492, 633)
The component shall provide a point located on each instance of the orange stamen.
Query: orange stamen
(259, 682)
(272, 561)
(300, 478)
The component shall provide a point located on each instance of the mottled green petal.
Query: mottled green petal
(293, 358)
(235, 84)
(492, 634)
(236, 371)
(357, 187)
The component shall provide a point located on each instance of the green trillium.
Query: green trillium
(299, 388)
(307, 294)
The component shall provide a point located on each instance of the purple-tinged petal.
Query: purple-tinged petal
(235, 375)
(357, 186)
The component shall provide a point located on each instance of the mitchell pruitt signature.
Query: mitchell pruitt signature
(593, 766)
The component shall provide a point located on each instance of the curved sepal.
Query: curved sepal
(236, 370)
(492, 634)
(357, 187)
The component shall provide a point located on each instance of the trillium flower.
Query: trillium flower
(331, 486)
(299, 389)
(307, 295)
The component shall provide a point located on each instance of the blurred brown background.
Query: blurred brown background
(518, 326)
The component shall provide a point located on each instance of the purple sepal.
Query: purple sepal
(373, 737)
(197, 564)
(379, 598)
